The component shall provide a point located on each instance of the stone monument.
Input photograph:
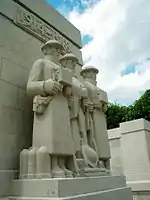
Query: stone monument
(70, 153)
(53, 126)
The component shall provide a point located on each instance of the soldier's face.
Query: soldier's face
(52, 51)
(70, 64)
(91, 75)
(55, 51)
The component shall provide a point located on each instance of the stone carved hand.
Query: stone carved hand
(104, 107)
(52, 87)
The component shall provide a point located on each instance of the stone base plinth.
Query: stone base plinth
(140, 189)
(89, 188)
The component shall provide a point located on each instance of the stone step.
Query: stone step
(36, 188)
(114, 194)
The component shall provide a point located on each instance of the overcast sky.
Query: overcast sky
(116, 40)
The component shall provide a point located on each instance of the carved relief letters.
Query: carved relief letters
(38, 28)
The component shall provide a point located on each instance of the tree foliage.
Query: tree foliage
(115, 115)
(139, 109)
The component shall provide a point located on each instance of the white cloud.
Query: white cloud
(121, 34)
(128, 87)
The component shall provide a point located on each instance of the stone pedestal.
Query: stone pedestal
(135, 147)
(91, 188)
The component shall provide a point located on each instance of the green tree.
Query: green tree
(139, 109)
(115, 115)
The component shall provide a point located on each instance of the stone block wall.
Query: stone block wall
(19, 47)
(18, 50)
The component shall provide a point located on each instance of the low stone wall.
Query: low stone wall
(130, 151)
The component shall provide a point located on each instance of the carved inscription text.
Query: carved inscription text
(38, 28)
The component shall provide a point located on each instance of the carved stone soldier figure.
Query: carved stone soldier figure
(78, 90)
(51, 128)
(97, 100)
(84, 153)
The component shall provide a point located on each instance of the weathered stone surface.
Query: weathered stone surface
(5, 178)
(137, 165)
(13, 30)
(45, 11)
(116, 152)
(9, 97)
(78, 188)
(14, 74)
(15, 49)
(131, 153)
(21, 98)
(140, 189)
(13, 122)
(8, 156)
